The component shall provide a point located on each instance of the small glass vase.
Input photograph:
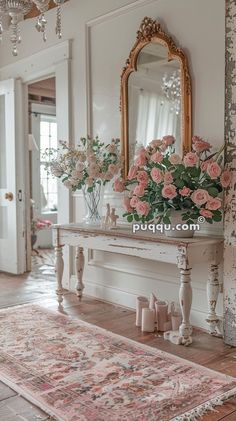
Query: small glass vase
(176, 219)
(93, 205)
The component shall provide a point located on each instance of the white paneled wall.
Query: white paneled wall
(102, 33)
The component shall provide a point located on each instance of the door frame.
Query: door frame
(53, 61)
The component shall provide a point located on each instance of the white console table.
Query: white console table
(181, 252)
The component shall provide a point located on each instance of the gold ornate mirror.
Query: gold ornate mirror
(155, 92)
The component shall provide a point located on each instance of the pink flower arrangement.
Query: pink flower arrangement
(161, 181)
(88, 165)
(39, 224)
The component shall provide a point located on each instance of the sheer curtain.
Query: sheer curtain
(156, 118)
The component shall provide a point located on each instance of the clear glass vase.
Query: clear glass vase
(93, 205)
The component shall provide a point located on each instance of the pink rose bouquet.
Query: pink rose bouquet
(84, 167)
(39, 224)
(160, 180)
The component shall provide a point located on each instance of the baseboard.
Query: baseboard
(127, 299)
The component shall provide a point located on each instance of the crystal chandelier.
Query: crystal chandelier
(16, 9)
(171, 86)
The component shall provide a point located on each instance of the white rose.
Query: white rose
(67, 184)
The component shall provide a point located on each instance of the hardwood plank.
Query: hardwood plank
(5, 392)
(18, 409)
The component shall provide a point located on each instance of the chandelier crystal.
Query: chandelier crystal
(171, 86)
(17, 9)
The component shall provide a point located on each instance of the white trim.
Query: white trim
(53, 61)
(119, 12)
(38, 65)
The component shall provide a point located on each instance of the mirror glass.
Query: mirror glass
(155, 100)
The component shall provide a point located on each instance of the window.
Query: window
(48, 184)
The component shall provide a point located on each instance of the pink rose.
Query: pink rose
(133, 201)
(108, 176)
(112, 168)
(140, 161)
(185, 191)
(168, 178)
(157, 157)
(139, 190)
(79, 166)
(156, 175)
(126, 204)
(142, 177)
(226, 178)
(141, 158)
(200, 197)
(119, 185)
(204, 164)
(200, 145)
(168, 140)
(169, 191)
(213, 203)
(206, 213)
(89, 181)
(175, 159)
(213, 170)
(144, 184)
(163, 147)
(191, 159)
(155, 143)
(143, 208)
(132, 172)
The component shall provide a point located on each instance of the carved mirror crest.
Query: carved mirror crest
(155, 92)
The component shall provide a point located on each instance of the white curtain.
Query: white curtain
(156, 118)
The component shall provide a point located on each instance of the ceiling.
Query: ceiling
(44, 88)
(34, 12)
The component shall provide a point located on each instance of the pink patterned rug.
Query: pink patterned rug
(76, 371)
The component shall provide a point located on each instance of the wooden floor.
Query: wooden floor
(39, 287)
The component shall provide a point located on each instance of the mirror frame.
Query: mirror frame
(151, 31)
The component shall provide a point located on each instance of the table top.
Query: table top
(125, 231)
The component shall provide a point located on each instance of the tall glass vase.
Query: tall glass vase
(93, 205)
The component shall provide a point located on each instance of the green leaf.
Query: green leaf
(179, 183)
(217, 218)
(130, 218)
(213, 191)
(166, 220)
(136, 217)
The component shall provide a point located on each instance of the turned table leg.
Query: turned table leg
(213, 289)
(185, 298)
(59, 267)
(79, 265)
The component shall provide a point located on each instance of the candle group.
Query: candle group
(156, 315)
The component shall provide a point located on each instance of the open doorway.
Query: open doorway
(43, 187)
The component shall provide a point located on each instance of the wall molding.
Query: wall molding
(88, 26)
(119, 12)
(37, 65)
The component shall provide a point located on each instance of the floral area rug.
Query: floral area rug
(76, 371)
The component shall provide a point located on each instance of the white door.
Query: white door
(12, 243)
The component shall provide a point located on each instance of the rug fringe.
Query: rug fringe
(208, 406)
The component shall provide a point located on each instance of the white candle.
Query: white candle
(161, 314)
(148, 320)
(176, 320)
(141, 302)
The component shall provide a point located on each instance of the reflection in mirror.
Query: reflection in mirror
(156, 96)
(154, 93)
